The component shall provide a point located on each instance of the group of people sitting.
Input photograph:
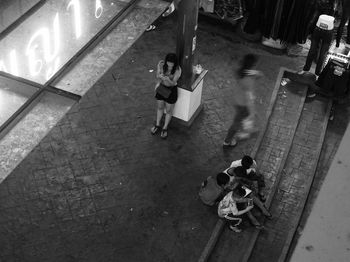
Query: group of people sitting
(236, 191)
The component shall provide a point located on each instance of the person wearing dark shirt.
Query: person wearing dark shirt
(344, 18)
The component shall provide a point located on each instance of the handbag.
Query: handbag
(163, 90)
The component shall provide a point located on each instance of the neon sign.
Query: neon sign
(38, 48)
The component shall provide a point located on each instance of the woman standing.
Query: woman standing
(168, 73)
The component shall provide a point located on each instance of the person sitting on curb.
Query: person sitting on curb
(238, 178)
(212, 189)
(249, 193)
(232, 207)
(235, 204)
(251, 174)
(228, 180)
(225, 180)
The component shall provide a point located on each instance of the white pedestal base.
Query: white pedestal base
(189, 103)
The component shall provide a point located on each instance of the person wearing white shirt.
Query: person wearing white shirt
(255, 178)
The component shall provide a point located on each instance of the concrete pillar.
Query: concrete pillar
(186, 39)
(189, 102)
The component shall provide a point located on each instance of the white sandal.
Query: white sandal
(150, 28)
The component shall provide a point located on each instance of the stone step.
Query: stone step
(271, 153)
(295, 184)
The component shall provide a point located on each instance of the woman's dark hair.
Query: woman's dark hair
(171, 57)
(222, 179)
(248, 61)
(247, 162)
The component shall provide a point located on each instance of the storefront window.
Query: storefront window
(49, 38)
(13, 95)
(11, 11)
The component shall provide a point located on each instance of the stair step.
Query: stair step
(271, 154)
(295, 183)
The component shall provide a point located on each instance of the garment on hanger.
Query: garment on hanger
(290, 21)
(345, 17)
(296, 28)
(334, 79)
(255, 18)
(322, 36)
(303, 17)
(277, 19)
(282, 15)
(269, 17)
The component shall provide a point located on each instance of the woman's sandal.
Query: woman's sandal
(164, 133)
(150, 28)
(155, 129)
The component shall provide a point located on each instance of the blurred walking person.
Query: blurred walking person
(244, 101)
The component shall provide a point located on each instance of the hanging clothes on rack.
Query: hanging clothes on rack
(255, 18)
(282, 16)
(344, 18)
(269, 17)
(278, 19)
(289, 21)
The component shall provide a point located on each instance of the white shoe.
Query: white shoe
(311, 95)
(235, 229)
(285, 81)
(231, 144)
(170, 10)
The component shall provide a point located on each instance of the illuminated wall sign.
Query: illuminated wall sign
(44, 42)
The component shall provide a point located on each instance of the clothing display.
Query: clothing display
(231, 9)
(344, 19)
(282, 21)
(255, 18)
(320, 37)
(286, 21)
(335, 79)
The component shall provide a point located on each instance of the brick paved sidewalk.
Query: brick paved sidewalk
(99, 187)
